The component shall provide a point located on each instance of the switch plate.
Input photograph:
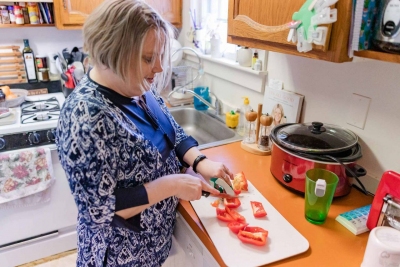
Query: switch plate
(358, 110)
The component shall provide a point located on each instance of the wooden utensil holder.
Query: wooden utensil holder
(253, 148)
(12, 69)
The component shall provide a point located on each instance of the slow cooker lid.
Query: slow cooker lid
(315, 137)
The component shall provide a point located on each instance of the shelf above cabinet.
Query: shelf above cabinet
(25, 25)
(378, 55)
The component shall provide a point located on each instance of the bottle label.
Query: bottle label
(30, 66)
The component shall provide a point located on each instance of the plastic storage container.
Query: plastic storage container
(201, 88)
(242, 120)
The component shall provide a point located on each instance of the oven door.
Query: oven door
(23, 225)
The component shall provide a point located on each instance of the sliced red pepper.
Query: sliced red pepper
(237, 192)
(235, 227)
(235, 215)
(215, 203)
(222, 215)
(232, 202)
(256, 238)
(240, 182)
(258, 209)
(255, 229)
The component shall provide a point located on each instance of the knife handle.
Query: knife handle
(205, 193)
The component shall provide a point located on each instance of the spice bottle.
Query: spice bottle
(258, 65)
(263, 139)
(254, 59)
(250, 127)
(11, 14)
(5, 17)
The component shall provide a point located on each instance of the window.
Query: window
(213, 16)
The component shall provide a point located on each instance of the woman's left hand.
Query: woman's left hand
(209, 169)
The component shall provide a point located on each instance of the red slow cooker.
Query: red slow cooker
(298, 147)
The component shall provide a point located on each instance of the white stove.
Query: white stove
(29, 233)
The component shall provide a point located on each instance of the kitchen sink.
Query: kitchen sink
(208, 129)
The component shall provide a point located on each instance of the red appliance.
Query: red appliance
(296, 148)
(385, 209)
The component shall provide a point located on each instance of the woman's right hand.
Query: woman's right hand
(190, 187)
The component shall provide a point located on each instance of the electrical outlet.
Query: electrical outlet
(358, 110)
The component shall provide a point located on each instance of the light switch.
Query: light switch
(358, 110)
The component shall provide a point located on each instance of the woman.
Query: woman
(121, 149)
(278, 115)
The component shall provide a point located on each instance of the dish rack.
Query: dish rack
(12, 68)
(183, 77)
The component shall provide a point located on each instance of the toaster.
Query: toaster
(385, 208)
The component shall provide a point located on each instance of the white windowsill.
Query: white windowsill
(231, 71)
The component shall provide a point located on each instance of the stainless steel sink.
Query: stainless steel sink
(209, 130)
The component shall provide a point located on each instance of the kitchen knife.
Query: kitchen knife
(225, 190)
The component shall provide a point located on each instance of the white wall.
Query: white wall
(43, 40)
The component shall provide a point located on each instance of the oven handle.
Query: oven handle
(28, 240)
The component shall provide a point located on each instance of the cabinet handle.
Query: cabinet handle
(263, 28)
(64, 5)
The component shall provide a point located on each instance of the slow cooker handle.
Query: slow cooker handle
(317, 127)
(358, 170)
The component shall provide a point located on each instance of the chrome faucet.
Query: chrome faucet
(216, 107)
(182, 89)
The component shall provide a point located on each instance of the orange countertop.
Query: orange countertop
(331, 244)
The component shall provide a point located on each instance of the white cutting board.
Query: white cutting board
(283, 239)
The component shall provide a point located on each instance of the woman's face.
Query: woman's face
(277, 115)
(151, 57)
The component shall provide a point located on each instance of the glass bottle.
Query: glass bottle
(250, 127)
(263, 139)
(29, 61)
(242, 120)
(265, 130)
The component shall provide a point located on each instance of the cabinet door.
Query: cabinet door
(260, 24)
(71, 14)
(170, 10)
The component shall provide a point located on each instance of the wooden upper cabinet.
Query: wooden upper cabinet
(170, 10)
(71, 14)
(259, 24)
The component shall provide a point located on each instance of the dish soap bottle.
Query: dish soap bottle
(201, 89)
(242, 119)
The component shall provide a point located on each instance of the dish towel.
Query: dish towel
(25, 176)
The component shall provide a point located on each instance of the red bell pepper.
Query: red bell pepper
(222, 215)
(253, 235)
(215, 204)
(237, 192)
(258, 209)
(232, 202)
(235, 215)
(235, 227)
(240, 182)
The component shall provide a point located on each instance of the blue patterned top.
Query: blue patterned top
(101, 149)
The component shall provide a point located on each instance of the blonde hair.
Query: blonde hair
(114, 34)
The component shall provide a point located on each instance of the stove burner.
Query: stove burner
(42, 116)
(39, 117)
(29, 106)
